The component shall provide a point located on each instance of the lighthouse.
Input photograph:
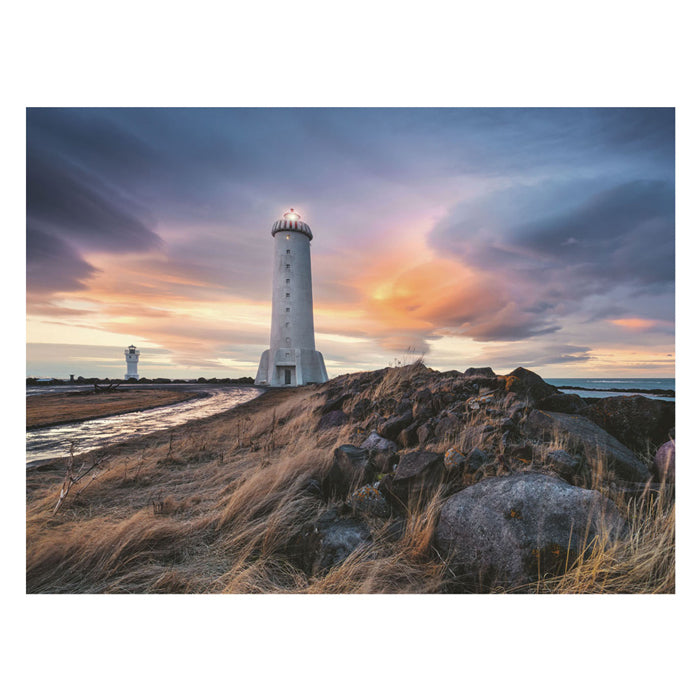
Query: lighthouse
(292, 359)
(132, 361)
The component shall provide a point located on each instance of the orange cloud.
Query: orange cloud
(641, 324)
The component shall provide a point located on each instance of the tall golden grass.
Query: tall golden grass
(212, 508)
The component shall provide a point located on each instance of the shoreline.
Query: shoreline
(52, 424)
(160, 437)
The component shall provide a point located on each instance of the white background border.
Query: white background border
(360, 54)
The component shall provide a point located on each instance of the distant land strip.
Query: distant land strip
(656, 392)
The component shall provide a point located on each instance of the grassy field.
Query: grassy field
(212, 508)
(54, 409)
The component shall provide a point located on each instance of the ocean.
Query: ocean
(588, 384)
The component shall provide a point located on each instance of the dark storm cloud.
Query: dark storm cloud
(564, 211)
(626, 233)
(53, 264)
(73, 203)
(554, 249)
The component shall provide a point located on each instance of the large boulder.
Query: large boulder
(351, 467)
(527, 384)
(665, 462)
(327, 542)
(635, 421)
(585, 435)
(507, 531)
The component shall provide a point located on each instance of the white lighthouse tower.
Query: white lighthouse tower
(132, 361)
(292, 359)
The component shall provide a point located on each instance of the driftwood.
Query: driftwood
(71, 479)
(106, 387)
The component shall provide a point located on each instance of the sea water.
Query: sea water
(594, 387)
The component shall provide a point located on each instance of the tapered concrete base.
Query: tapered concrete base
(291, 367)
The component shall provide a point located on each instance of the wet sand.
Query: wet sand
(56, 409)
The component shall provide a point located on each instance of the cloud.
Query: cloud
(524, 226)
(70, 202)
(546, 269)
(54, 265)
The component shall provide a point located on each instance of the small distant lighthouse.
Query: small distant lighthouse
(292, 359)
(132, 361)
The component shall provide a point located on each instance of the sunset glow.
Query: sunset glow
(436, 234)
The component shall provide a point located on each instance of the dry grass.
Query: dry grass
(213, 508)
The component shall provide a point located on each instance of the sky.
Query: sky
(541, 238)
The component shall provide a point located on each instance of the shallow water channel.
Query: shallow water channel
(53, 442)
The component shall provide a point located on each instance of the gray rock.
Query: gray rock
(408, 437)
(416, 475)
(589, 437)
(454, 460)
(368, 499)
(391, 428)
(665, 462)
(504, 531)
(475, 459)
(351, 467)
(382, 452)
(424, 433)
(328, 542)
(564, 464)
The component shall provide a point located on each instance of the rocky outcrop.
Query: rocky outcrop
(506, 531)
(588, 437)
(527, 384)
(635, 421)
(481, 372)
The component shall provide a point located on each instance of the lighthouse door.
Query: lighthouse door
(287, 376)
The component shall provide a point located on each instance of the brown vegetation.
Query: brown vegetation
(54, 409)
(212, 507)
